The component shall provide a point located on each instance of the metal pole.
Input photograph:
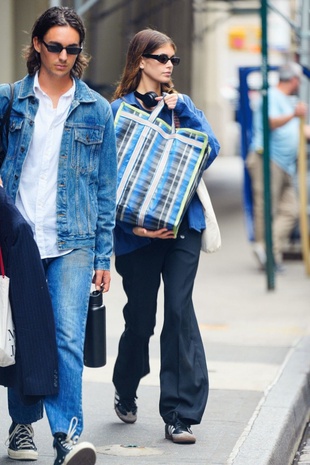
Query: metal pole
(54, 3)
(303, 196)
(266, 156)
(82, 9)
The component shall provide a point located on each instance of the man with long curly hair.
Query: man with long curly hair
(60, 169)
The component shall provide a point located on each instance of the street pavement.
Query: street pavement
(257, 343)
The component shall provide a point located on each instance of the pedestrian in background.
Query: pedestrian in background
(60, 170)
(143, 257)
(284, 125)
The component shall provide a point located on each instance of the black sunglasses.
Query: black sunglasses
(163, 58)
(58, 48)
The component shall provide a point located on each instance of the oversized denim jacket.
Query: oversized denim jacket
(87, 170)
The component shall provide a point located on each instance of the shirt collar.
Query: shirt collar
(39, 92)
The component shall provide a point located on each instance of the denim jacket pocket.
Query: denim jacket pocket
(87, 146)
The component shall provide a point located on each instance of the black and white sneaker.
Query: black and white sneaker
(179, 433)
(20, 443)
(126, 409)
(68, 452)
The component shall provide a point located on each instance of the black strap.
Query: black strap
(6, 120)
(6, 117)
(1, 265)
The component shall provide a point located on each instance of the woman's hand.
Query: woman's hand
(170, 100)
(158, 234)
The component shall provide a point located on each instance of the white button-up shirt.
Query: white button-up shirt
(36, 197)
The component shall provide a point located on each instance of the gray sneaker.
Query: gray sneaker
(126, 409)
(179, 433)
(20, 443)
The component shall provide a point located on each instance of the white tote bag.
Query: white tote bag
(7, 330)
(211, 237)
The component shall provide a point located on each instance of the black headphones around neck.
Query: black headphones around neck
(149, 99)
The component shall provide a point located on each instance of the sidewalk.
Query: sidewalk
(258, 350)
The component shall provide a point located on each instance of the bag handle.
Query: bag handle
(1, 264)
(156, 112)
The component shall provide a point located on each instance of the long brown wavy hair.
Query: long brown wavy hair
(146, 41)
(56, 16)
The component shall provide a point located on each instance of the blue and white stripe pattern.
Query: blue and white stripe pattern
(159, 168)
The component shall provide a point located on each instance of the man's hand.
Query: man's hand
(300, 109)
(101, 280)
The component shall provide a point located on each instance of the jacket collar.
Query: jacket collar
(131, 99)
(82, 92)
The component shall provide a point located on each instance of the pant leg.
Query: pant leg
(140, 271)
(69, 281)
(183, 374)
(254, 164)
(21, 412)
(283, 199)
(284, 207)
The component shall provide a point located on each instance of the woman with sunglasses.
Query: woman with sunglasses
(143, 257)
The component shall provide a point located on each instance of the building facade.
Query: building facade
(213, 38)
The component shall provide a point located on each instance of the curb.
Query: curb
(274, 432)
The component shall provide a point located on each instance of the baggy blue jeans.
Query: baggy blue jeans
(69, 281)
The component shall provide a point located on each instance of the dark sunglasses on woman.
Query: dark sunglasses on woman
(163, 58)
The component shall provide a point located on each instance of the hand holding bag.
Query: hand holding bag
(7, 330)
(211, 236)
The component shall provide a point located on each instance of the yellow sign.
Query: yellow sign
(245, 38)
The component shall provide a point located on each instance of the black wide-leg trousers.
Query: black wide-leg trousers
(183, 374)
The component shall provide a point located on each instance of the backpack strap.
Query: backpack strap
(6, 121)
(6, 117)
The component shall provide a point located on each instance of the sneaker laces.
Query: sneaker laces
(24, 435)
(177, 423)
(180, 424)
(129, 403)
(72, 430)
(70, 440)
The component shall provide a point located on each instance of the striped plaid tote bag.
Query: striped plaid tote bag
(159, 168)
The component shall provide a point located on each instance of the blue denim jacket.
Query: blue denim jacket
(189, 117)
(86, 190)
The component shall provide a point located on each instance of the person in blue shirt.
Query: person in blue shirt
(284, 124)
(144, 257)
(60, 170)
